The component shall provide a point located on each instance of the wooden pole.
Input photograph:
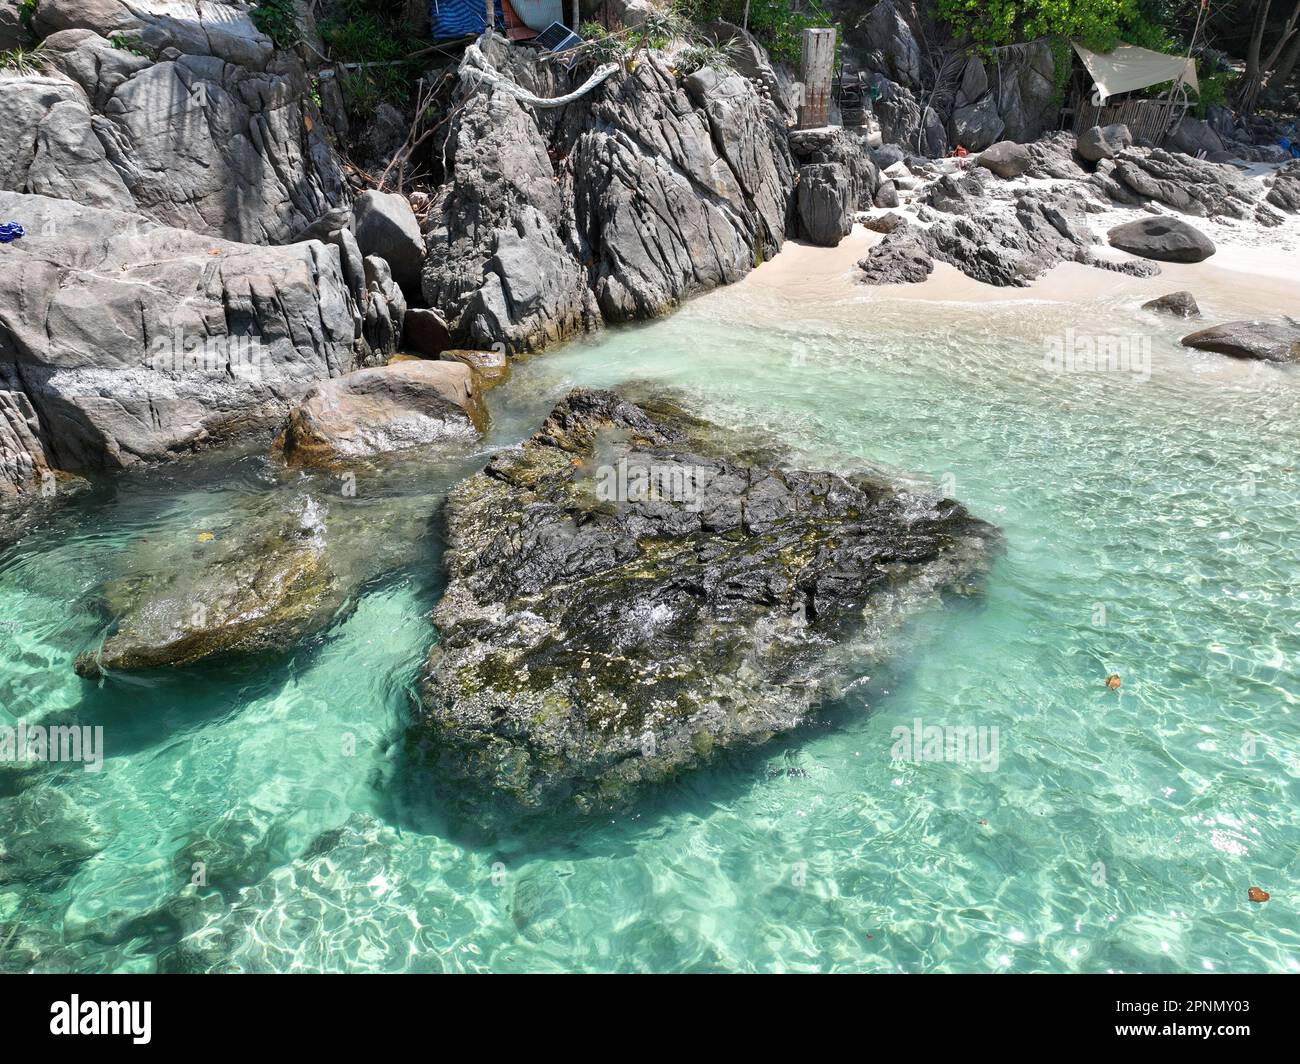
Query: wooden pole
(817, 68)
(576, 16)
(489, 16)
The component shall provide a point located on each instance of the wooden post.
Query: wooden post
(489, 15)
(576, 16)
(817, 69)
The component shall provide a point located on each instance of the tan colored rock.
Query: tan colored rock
(387, 408)
(490, 367)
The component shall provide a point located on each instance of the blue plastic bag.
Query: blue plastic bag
(11, 231)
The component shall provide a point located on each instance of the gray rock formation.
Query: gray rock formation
(626, 599)
(385, 309)
(24, 466)
(974, 82)
(1104, 142)
(1044, 229)
(1265, 341)
(1025, 88)
(1164, 239)
(659, 190)
(1192, 135)
(847, 148)
(133, 341)
(1055, 155)
(978, 125)
(384, 409)
(1193, 186)
(386, 226)
(12, 32)
(1178, 304)
(836, 178)
(1285, 190)
(209, 130)
(1006, 159)
(905, 122)
(825, 216)
(903, 257)
(891, 46)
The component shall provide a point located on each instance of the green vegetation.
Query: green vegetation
(368, 33)
(124, 43)
(278, 20)
(774, 22)
(1217, 84)
(22, 60)
(601, 46)
(26, 12)
(1096, 24)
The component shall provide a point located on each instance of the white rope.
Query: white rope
(477, 69)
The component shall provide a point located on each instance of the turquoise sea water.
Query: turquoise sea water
(1153, 530)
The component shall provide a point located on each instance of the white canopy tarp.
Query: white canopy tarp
(1129, 67)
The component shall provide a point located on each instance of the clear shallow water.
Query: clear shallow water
(1119, 831)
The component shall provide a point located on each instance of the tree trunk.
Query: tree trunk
(1250, 84)
(1281, 74)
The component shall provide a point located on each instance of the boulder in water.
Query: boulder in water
(1179, 304)
(627, 597)
(255, 590)
(1265, 341)
(382, 409)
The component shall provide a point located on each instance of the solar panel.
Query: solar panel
(557, 37)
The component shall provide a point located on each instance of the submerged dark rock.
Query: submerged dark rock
(259, 591)
(1265, 341)
(627, 597)
(1179, 304)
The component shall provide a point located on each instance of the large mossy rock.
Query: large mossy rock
(627, 596)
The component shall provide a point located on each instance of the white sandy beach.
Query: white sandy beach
(1255, 271)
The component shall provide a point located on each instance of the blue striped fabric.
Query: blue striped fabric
(458, 18)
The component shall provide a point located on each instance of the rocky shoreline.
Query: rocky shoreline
(196, 270)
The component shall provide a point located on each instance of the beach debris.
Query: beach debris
(1257, 895)
(204, 537)
(1113, 681)
(11, 231)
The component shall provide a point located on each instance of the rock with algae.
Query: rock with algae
(631, 592)
(261, 590)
